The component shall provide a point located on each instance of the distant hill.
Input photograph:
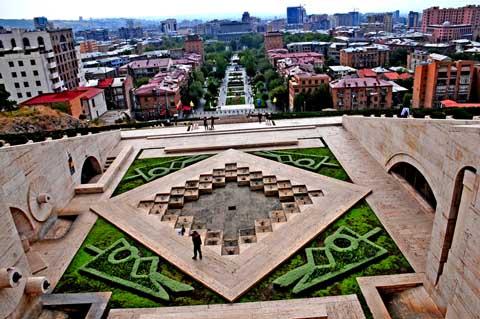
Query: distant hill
(30, 120)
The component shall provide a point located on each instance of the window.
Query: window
(24, 74)
(14, 74)
(10, 64)
(93, 102)
(32, 62)
(17, 85)
(38, 83)
(1, 44)
(29, 94)
(1, 76)
(19, 95)
(40, 41)
(35, 72)
(13, 43)
(20, 63)
(26, 42)
(25, 84)
(40, 92)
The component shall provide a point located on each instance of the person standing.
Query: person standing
(205, 123)
(259, 117)
(212, 120)
(197, 243)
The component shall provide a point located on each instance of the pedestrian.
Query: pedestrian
(205, 123)
(197, 243)
(259, 117)
(212, 127)
(182, 231)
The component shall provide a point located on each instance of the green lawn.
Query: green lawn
(102, 235)
(236, 100)
(360, 219)
(164, 166)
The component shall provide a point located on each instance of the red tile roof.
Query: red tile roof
(49, 98)
(392, 76)
(366, 73)
(105, 83)
(90, 92)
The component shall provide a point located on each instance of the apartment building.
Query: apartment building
(148, 68)
(305, 83)
(465, 15)
(36, 62)
(447, 32)
(361, 94)
(437, 81)
(162, 92)
(365, 57)
(273, 40)
(194, 44)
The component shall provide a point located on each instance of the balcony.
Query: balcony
(51, 65)
(54, 75)
(50, 54)
(57, 85)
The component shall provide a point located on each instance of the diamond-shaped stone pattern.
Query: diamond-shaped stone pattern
(168, 206)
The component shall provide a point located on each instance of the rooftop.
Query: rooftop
(358, 82)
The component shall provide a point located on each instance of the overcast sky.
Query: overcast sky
(67, 9)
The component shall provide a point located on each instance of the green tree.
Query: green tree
(281, 94)
(141, 81)
(5, 103)
(407, 98)
(398, 57)
(197, 75)
(299, 102)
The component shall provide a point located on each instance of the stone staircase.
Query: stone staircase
(108, 162)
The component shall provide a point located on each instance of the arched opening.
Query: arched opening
(460, 199)
(63, 39)
(1, 44)
(40, 41)
(91, 170)
(26, 42)
(23, 224)
(13, 43)
(416, 179)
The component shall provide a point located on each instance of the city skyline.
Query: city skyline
(54, 9)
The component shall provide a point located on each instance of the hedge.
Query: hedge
(345, 250)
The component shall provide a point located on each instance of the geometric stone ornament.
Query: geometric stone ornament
(312, 203)
(40, 202)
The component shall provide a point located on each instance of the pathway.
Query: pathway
(405, 219)
(338, 307)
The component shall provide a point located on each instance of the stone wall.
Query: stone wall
(26, 171)
(447, 153)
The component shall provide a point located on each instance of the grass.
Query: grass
(360, 219)
(334, 172)
(102, 235)
(21, 112)
(235, 100)
(144, 164)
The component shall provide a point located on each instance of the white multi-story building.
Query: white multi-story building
(36, 62)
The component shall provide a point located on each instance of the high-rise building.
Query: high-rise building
(347, 19)
(413, 20)
(246, 17)
(169, 26)
(296, 15)
(442, 80)
(36, 62)
(385, 18)
(40, 23)
(94, 34)
(465, 15)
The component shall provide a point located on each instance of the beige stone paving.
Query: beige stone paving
(405, 219)
(231, 277)
(337, 307)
